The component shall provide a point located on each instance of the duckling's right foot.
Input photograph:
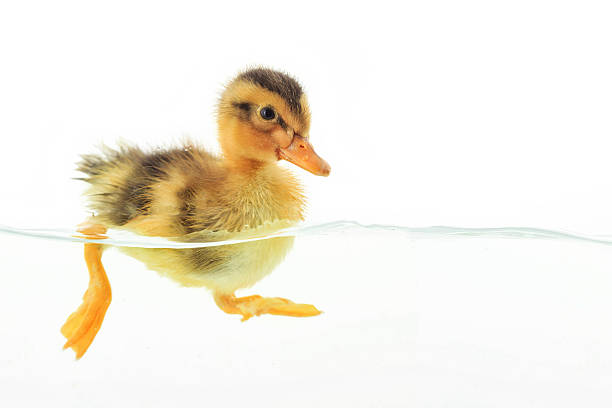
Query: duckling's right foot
(82, 326)
(256, 305)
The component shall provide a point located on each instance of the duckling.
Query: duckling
(189, 194)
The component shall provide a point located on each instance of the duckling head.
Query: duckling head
(264, 117)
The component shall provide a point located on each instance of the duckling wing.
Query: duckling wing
(149, 193)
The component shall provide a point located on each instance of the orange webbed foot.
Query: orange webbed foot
(82, 326)
(256, 305)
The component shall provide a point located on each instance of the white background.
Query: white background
(430, 113)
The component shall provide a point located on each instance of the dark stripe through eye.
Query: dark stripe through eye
(244, 106)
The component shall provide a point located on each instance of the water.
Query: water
(435, 316)
(127, 239)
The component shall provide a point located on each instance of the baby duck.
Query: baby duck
(189, 194)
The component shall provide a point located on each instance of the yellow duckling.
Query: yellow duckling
(189, 194)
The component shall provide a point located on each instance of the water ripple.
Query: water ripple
(127, 239)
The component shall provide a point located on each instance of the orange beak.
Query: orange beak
(301, 153)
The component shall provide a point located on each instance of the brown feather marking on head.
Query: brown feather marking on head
(279, 83)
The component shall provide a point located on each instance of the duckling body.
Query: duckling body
(189, 194)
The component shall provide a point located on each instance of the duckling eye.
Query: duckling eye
(267, 113)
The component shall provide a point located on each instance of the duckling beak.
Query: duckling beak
(301, 153)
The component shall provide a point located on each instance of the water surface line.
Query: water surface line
(127, 239)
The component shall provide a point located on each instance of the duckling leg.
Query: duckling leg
(256, 305)
(82, 326)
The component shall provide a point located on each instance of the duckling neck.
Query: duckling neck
(270, 191)
(243, 166)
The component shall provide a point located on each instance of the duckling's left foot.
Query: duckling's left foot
(256, 305)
